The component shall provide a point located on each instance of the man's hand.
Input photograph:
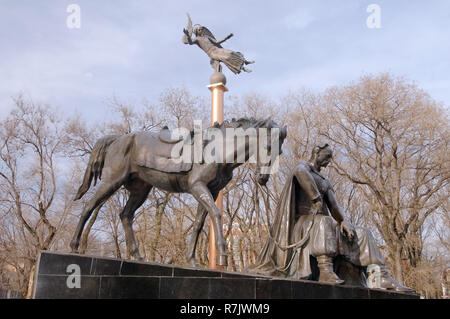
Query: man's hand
(347, 230)
(316, 207)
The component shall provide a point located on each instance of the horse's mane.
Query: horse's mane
(245, 122)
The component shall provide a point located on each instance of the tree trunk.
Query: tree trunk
(117, 247)
(160, 207)
(154, 246)
(397, 264)
(31, 283)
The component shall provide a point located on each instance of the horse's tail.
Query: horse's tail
(95, 165)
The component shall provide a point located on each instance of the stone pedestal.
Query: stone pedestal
(107, 278)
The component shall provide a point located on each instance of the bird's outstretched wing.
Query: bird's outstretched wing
(189, 24)
(207, 32)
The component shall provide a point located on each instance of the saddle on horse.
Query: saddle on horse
(164, 151)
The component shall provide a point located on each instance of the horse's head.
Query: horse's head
(257, 140)
(270, 148)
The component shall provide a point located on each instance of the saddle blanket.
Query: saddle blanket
(156, 151)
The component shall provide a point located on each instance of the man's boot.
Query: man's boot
(389, 283)
(327, 274)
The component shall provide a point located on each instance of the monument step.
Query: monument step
(61, 275)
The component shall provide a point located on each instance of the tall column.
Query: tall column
(217, 88)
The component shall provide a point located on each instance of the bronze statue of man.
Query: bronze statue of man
(204, 38)
(310, 222)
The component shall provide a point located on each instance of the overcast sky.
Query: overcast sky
(132, 49)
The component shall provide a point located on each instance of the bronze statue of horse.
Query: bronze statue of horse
(142, 160)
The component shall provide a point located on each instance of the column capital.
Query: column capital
(219, 85)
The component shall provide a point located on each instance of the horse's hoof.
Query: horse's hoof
(136, 256)
(193, 263)
(74, 249)
(222, 260)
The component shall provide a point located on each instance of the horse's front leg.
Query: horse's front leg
(204, 197)
(196, 230)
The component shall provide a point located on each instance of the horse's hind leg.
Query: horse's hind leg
(105, 190)
(197, 228)
(138, 195)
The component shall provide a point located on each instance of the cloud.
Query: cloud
(299, 19)
(134, 49)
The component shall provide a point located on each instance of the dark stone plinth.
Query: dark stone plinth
(108, 278)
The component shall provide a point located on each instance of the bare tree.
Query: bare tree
(391, 139)
(30, 146)
(181, 108)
